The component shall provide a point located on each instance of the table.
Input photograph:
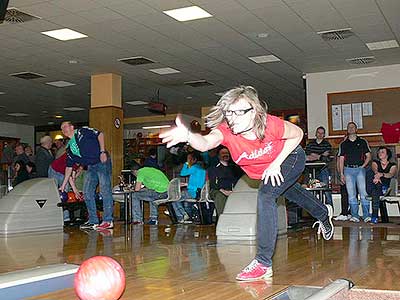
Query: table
(314, 166)
(319, 192)
(127, 201)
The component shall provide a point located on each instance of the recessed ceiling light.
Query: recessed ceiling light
(383, 45)
(264, 59)
(2, 106)
(58, 117)
(60, 83)
(50, 123)
(44, 111)
(156, 127)
(72, 61)
(220, 94)
(164, 71)
(189, 98)
(18, 114)
(64, 34)
(2, 93)
(187, 13)
(73, 108)
(136, 102)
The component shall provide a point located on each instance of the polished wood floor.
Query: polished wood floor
(186, 262)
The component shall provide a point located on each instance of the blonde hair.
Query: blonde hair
(216, 115)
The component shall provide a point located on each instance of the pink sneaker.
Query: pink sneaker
(106, 225)
(254, 271)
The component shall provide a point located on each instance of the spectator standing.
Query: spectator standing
(44, 157)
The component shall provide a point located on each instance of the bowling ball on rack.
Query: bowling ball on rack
(100, 278)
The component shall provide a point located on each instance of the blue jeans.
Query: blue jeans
(58, 177)
(149, 196)
(323, 176)
(376, 193)
(180, 207)
(355, 178)
(267, 215)
(98, 174)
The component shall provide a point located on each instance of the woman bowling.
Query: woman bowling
(266, 148)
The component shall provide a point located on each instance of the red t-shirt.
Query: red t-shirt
(60, 164)
(255, 156)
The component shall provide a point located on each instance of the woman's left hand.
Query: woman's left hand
(273, 172)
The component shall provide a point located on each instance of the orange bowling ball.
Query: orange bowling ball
(72, 197)
(100, 278)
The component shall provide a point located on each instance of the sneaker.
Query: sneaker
(326, 227)
(374, 220)
(341, 218)
(88, 225)
(137, 223)
(106, 225)
(367, 219)
(354, 219)
(254, 271)
(152, 222)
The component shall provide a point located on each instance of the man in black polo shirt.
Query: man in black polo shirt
(319, 150)
(354, 155)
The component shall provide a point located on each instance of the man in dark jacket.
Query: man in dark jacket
(86, 148)
(223, 178)
(44, 157)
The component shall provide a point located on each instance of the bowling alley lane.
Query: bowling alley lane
(187, 262)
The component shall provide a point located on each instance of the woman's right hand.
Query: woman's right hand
(176, 135)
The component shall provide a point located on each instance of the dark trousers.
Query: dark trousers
(219, 200)
(376, 192)
(344, 199)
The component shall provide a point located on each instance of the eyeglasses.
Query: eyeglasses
(239, 112)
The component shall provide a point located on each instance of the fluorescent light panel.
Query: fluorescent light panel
(18, 114)
(187, 13)
(220, 94)
(264, 59)
(382, 45)
(2, 93)
(60, 83)
(156, 127)
(138, 102)
(64, 34)
(164, 71)
(73, 108)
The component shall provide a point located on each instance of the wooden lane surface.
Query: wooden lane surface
(185, 262)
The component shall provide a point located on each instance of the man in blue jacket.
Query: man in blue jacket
(86, 147)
